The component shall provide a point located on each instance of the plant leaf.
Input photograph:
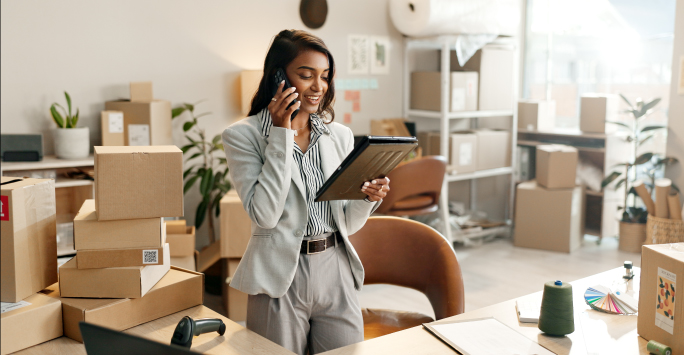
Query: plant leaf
(216, 139)
(189, 183)
(57, 117)
(646, 139)
(627, 101)
(201, 213)
(189, 107)
(68, 100)
(186, 172)
(177, 112)
(188, 125)
(74, 120)
(193, 156)
(674, 187)
(667, 161)
(620, 124)
(643, 158)
(649, 106)
(203, 114)
(614, 175)
(650, 128)
(223, 161)
(621, 164)
(207, 181)
(619, 183)
(217, 203)
(185, 148)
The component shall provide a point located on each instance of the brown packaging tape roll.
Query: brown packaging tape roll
(640, 188)
(673, 205)
(662, 189)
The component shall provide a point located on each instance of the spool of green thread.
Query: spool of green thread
(556, 316)
(657, 348)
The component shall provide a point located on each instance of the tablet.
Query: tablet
(373, 157)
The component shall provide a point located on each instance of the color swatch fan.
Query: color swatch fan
(603, 299)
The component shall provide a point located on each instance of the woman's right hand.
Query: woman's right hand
(280, 114)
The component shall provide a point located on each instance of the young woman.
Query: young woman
(299, 269)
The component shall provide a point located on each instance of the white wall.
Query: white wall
(190, 50)
(675, 138)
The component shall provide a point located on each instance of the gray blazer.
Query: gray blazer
(268, 181)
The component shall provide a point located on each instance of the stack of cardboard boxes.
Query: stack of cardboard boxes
(236, 230)
(549, 211)
(471, 150)
(29, 263)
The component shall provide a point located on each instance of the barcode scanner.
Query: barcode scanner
(188, 328)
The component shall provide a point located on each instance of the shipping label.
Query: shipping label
(4, 208)
(8, 307)
(465, 154)
(150, 256)
(458, 97)
(116, 122)
(665, 306)
(138, 134)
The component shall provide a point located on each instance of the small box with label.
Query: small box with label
(146, 121)
(463, 152)
(536, 115)
(30, 322)
(426, 91)
(103, 258)
(112, 128)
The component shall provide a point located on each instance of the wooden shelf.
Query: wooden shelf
(461, 114)
(48, 162)
(480, 174)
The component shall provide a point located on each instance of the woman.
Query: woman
(299, 268)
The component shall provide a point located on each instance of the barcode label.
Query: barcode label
(150, 257)
(8, 307)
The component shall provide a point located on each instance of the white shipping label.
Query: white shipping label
(665, 301)
(116, 124)
(470, 87)
(7, 307)
(458, 96)
(138, 134)
(150, 256)
(465, 154)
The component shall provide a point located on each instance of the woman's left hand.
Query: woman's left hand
(376, 189)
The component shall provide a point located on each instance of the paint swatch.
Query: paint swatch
(603, 299)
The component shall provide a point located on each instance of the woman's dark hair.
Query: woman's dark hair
(286, 46)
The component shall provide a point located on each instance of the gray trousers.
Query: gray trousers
(320, 310)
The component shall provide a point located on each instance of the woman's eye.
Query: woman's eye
(305, 77)
(325, 78)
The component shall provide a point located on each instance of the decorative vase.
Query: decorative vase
(71, 143)
(632, 236)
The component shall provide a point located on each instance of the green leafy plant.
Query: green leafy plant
(211, 171)
(639, 133)
(65, 120)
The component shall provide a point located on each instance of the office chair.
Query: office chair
(414, 187)
(402, 252)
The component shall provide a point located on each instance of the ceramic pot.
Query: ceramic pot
(71, 143)
(632, 236)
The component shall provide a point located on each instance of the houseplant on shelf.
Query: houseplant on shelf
(211, 171)
(70, 142)
(633, 217)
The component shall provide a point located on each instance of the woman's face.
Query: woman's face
(308, 72)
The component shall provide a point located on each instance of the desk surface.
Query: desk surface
(595, 332)
(236, 340)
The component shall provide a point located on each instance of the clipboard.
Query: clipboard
(373, 157)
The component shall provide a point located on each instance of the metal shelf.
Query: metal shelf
(461, 114)
(479, 174)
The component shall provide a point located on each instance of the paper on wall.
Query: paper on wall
(138, 134)
(379, 55)
(357, 54)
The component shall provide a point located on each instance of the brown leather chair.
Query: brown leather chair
(414, 187)
(407, 253)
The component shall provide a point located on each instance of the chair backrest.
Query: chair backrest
(422, 176)
(407, 253)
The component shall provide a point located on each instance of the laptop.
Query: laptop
(104, 341)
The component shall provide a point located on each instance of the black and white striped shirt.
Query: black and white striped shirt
(309, 162)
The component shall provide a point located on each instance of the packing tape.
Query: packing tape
(662, 189)
(640, 188)
(657, 348)
(673, 205)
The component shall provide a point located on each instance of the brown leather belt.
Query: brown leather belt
(315, 246)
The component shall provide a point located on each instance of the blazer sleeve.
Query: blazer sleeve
(261, 182)
(356, 212)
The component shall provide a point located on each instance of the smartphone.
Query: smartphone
(279, 77)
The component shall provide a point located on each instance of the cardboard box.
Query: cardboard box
(556, 166)
(536, 115)
(236, 226)
(495, 65)
(115, 282)
(493, 149)
(463, 157)
(141, 91)
(28, 247)
(234, 301)
(548, 219)
(178, 290)
(145, 123)
(426, 91)
(595, 110)
(106, 258)
(91, 234)
(184, 262)
(182, 244)
(32, 321)
(138, 182)
(662, 277)
(176, 226)
(390, 127)
(112, 128)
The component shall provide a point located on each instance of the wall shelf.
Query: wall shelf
(479, 174)
(48, 162)
(460, 115)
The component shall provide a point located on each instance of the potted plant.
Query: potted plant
(633, 218)
(211, 170)
(70, 142)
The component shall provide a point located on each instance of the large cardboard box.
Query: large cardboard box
(181, 243)
(236, 226)
(179, 289)
(138, 182)
(556, 166)
(112, 128)
(463, 157)
(106, 258)
(235, 302)
(426, 91)
(115, 282)
(30, 322)
(548, 219)
(661, 314)
(145, 123)
(28, 247)
(595, 110)
(185, 262)
(493, 149)
(536, 115)
(91, 234)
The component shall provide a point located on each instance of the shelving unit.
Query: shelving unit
(446, 44)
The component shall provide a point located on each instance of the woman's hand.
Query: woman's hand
(376, 189)
(280, 114)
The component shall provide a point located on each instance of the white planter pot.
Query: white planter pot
(71, 143)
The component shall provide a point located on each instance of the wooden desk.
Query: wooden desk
(236, 340)
(595, 332)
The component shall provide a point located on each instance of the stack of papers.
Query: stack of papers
(528, 311)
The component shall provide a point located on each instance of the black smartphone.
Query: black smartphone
(279, 77)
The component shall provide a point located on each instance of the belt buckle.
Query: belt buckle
(308, 246)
